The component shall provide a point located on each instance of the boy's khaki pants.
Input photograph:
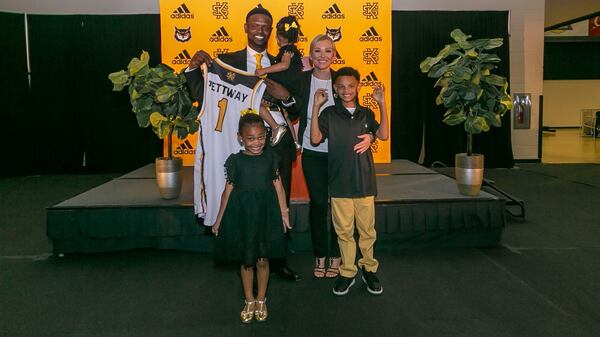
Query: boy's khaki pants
(344, 211)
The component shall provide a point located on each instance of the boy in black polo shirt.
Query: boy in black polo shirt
(352, 184)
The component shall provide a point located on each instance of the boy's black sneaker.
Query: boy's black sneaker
(342, 285)
(372, 282)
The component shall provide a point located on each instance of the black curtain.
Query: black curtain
(114, 141)
(572, 60)
(17, 144)
(416, 35)
(80, 124)
(55, 58)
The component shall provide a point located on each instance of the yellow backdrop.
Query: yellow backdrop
(362, 30)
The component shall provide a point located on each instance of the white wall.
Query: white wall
(526, 40)
(526, 54)
(563, 101)
(558, 11)
(81, 6)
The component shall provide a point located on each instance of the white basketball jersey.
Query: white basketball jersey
(227, 91)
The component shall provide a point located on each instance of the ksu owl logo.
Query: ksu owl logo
(183, 34)
(335, 34)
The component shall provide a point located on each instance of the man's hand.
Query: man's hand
(276, 90)
(260, 72)
(215, 228)
(199, 59)
(285, 219)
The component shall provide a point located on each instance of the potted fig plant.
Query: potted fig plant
(471, 94)
(160, 98)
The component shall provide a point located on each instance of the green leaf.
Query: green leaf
(143, 117)
(119, 79)
(442, 82)
(452, 110)
(179, 123)
(479, 43)
(164, 93)
(427, 63)
(465, 45)
(455, 118)
(461, 74)
(458, 35)
(493, 118)
(145, 57)
(476, 124)
(469, 95)
(480, 93)
(171, 109)
(450, 99)
(438, 70)
(135, 95)
(118, 87)
(495, 80)
(472, 52)
(490, 58)
(475, 79)
(507, 102)
(135, 65)
(144, 103)
(439, 99)
(156, 118)
(164, 127)
(493, 43)
(482, 123)
(447, 50)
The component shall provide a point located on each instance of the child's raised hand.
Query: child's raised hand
(321, 96)
(379, 93)
(285, 218)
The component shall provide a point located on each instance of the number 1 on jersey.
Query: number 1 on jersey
(222, 104)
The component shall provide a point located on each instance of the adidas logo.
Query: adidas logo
(221, 35)
(333, 12)
(183, 58)
(369, 80)
(338, 60)
(185, 148)
(182, 12)
(220, 51)
(370, 35)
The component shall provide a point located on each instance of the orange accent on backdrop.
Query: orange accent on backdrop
(594, 26)
(218, 27)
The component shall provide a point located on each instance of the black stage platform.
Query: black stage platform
(416, 207)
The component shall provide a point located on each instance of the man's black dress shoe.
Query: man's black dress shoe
(287, 274)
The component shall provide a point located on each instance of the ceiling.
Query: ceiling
(558, 11)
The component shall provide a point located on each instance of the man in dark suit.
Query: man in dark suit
(258, 27)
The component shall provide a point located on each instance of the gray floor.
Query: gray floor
(543, 281)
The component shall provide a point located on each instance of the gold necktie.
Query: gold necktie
(258, 59)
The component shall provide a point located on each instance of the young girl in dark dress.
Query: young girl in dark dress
(253, 216)
(287, 67)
